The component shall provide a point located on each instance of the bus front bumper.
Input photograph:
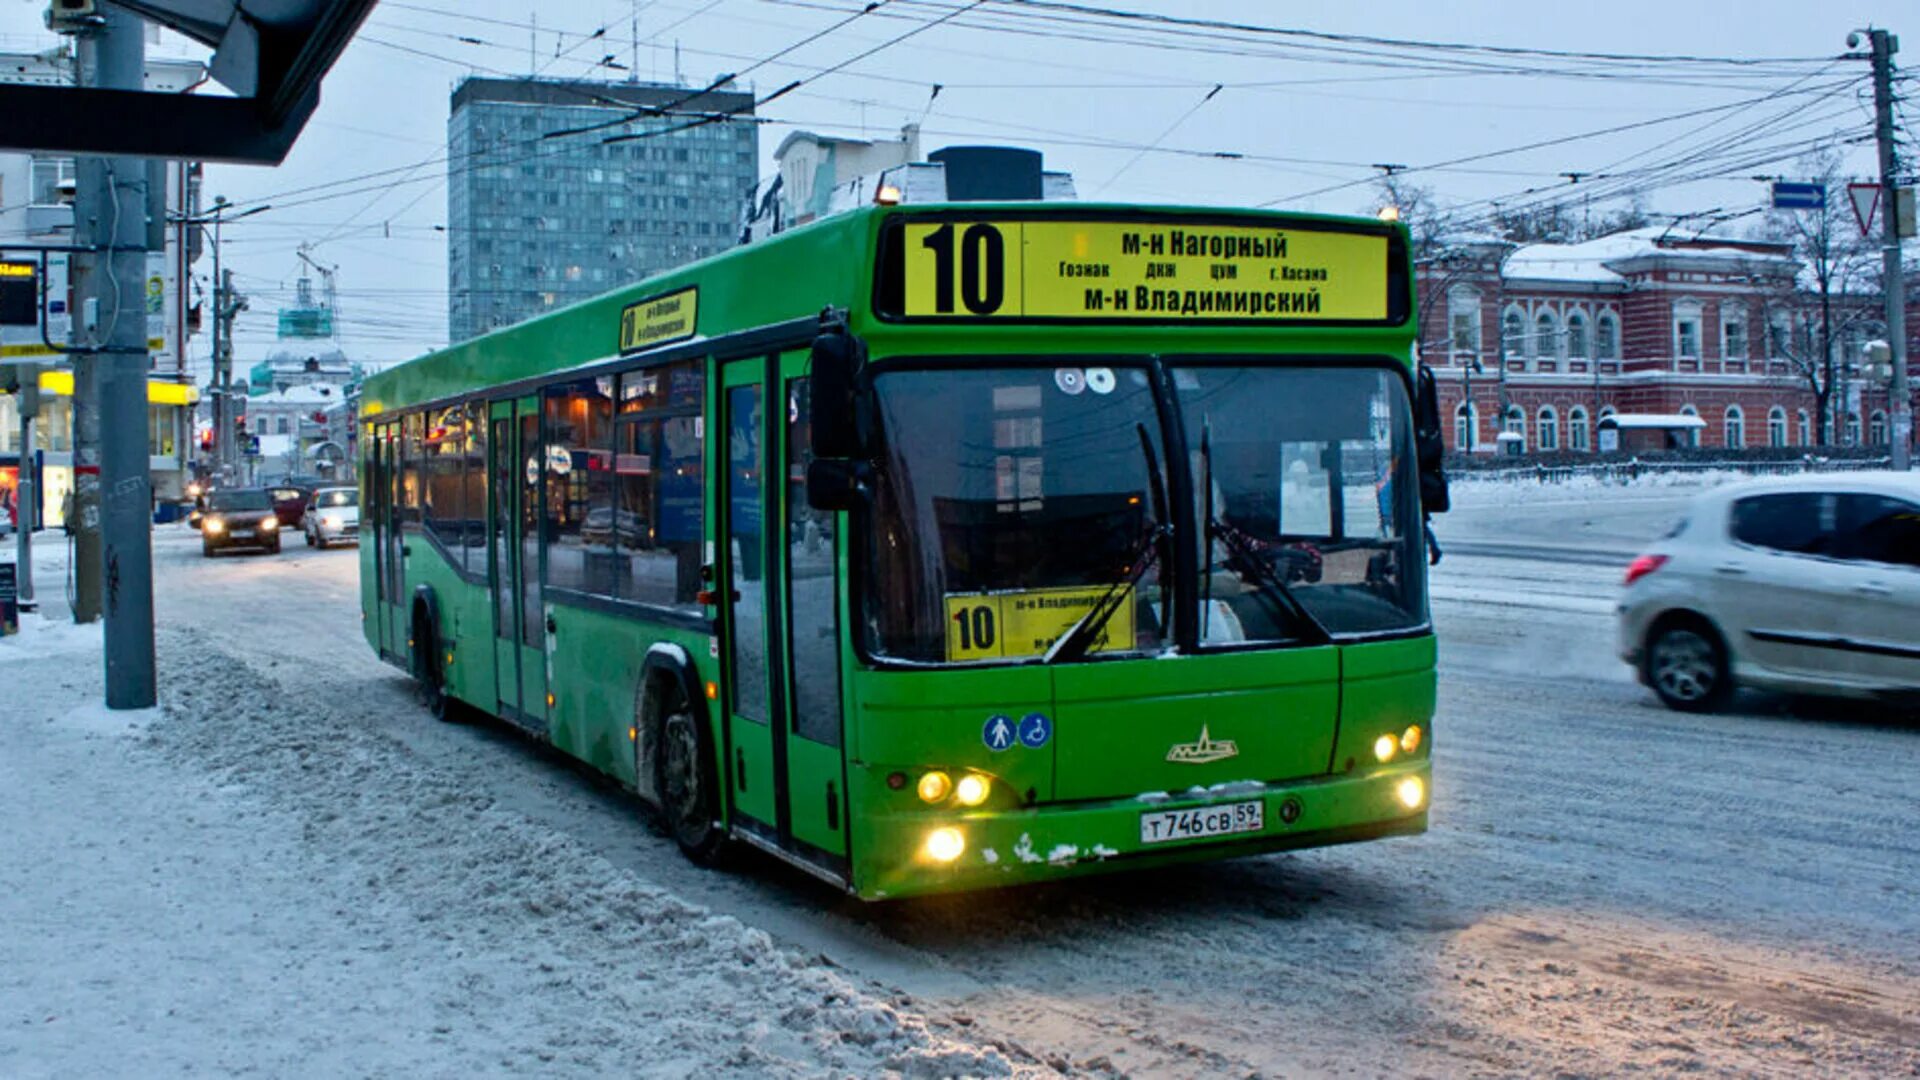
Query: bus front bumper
(1051, 842)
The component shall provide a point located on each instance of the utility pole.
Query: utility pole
(227, 303)
(114, 555)
(25, 502)
(1884, 46)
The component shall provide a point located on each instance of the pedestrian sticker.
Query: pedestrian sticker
(1035, 730)
(999, 732)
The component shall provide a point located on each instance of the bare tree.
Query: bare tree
(1832, 294)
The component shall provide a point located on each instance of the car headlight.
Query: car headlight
(270, 523)
(213, 525)
(330, 522)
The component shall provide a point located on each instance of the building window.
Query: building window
(1606, 337)
(47, 178)
(1577, 428)
(1546, 336)
(1736, 428)
(1692, 434)
(1804, 424)
(1686, 331)
(1877, 429)
(1463, 325)
(1517, 425)
(1576, 336)
(1549, 424)
(1853, 429)
(1466, 423)
(1513, 333)
(1733, 334)
(1776, 427)
(1779, 336)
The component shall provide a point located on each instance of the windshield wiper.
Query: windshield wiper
(1255, 564)
(1082, 634)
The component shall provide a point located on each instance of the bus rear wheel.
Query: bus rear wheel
(689, 799)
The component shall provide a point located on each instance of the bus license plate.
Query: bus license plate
(1160, 826)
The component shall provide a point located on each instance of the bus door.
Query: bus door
(783, 654)
(513, 564)
(754, 757)
(390, 572)
(815, 758)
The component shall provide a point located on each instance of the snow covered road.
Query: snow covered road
(291, 869)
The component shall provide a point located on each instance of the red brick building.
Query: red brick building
(1537, 343)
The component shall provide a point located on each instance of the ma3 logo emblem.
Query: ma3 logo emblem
(1203, 750)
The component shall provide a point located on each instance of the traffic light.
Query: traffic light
(206, 440)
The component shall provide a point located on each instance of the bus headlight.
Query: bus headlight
(1411, 792)
(1384, 746)
(935, 786)
(1410, 739)
(945, 844)
(972, 790)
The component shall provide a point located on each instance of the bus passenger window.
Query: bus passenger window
(655, 520)
(576, 526)
(412, 428)
(445, 437)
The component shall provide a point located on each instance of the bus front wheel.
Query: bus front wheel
(689, 797)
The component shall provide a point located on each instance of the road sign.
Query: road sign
(1866, 205)
(1789, 195)
(252, 446)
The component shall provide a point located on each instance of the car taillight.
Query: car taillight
(1644, 565)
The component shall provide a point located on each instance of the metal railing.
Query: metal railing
(1622, 472)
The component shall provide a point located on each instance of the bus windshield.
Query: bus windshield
(1009, 501)
(1012, 500)
(1303, 480)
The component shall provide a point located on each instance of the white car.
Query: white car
(333, 516)
(1808, 584)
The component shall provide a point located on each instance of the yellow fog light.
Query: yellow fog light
(935, 786)
(945, 844)
(1411, 792)
(1384, 746)
(972, 790)
(1410, 739)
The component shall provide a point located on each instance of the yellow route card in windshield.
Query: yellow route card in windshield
(1143, 270)
(1009, 625)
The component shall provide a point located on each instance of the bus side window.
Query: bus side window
(656, 519)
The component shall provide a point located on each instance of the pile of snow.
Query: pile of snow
(244, 880)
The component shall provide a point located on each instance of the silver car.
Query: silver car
(333, 516)
(1808, 584)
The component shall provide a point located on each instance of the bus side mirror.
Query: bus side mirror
(1429, 443)
(833, 408)
(837, 483)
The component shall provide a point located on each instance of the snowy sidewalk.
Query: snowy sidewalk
(225, 886)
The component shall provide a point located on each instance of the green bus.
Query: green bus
(939, 547)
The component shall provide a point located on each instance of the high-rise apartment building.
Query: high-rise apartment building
(537, 221)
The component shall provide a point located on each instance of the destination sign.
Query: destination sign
(659, 320)
(1168, 270)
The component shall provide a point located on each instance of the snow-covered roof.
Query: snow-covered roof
(304, 394)
(1652, 421)
(1600, 260)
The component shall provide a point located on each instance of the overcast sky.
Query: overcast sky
(1132, 121)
